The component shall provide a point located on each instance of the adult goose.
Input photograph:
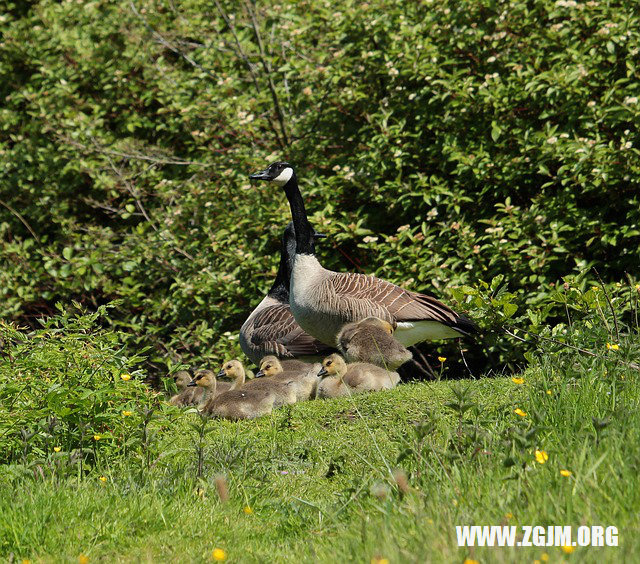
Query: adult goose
(271, 328)
(323, 301)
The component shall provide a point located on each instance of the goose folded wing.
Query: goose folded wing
(392, 303)
(275, 331)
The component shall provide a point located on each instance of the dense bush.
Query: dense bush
(439, 144)
(68, 392)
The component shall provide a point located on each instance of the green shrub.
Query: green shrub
(438, 144)
(68, 392)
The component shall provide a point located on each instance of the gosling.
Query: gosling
(185, 395)
(371, 340)
(331, 383)
(233, 404)
(353, 378)
(303, 376)
(283, 391)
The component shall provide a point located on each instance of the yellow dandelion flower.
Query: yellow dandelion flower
(57, 449)
(442, 359)
(127, 413)
(519, 412)
(568, 549)
(565, 473)
(96, 437)
(544, 557)
(509, 515)
(379, 560)
(595, 288)
(26, 561)
(125, 377)
(82, 559)
(517, 380)
(219, 555)
(548, 392)
(248, 510)
(541, 456)
(471, 561)
(612, 347)
(103, 479)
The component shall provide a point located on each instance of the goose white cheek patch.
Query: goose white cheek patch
(284, 176)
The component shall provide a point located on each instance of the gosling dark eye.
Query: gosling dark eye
(330, 363)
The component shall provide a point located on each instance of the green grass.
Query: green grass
(469, 460)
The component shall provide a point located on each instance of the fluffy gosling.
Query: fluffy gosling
(371, 340)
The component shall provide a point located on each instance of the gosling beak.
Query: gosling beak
(323, 372)
(259, 374)
(262, 175)
(221, 374)
(192, 384)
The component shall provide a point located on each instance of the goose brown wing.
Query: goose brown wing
(364, 293)
(275, 331)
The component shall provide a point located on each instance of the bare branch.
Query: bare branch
(103, 150)
(168, 45)
(267, 70)
(22, 219)
(240, 53)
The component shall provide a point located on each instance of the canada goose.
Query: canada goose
(304, 378)
(233, 404)
(271, 328)
(186, 395)
(371, 340)
(323, 301)
(284, 392)
(359, 376)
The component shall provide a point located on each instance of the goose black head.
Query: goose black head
(279, 173)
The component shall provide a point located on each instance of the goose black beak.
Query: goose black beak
(320, 235)
(221, 374)
(323, 372)
(262, 175)
(192, 384)
(259, 374)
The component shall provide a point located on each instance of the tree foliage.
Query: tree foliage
(439, 144)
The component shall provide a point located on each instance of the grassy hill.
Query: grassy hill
(384, 475)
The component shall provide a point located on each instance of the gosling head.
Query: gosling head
(203, 378)
(279, 173)
(269, 366)
(333, 365)
(231, 369)
(182, 379)
(377, 322)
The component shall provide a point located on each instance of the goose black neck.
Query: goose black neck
(304, 231)
(280, 288)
